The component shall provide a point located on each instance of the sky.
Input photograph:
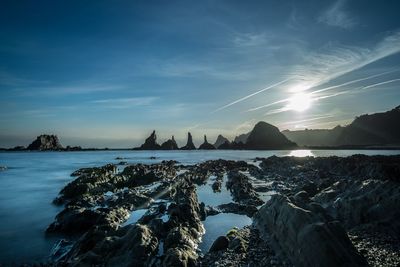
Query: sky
(106, 73)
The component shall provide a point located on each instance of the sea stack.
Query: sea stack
(189, 145)
(206, 145)
(150, 143)
(46, 142)
(266, 136)
(170, 144)
(220, 140)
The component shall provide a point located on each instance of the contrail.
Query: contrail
(325, 89)
(353, 81)
(381, 83)
(268, 105)
(248, 96)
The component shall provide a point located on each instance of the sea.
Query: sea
(31, 180)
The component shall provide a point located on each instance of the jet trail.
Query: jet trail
(326, 89)
(381, 83)
(248, 96)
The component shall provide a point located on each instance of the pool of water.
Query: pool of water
(33, 179)
(209, 197)
(219, 225)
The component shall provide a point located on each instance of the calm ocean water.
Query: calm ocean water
(33, 179)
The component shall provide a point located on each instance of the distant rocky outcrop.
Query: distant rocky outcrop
(150, 143)
(241, 138)
(189, 145)
(170, 144)
(46, 142)
(315, 137)
(267, 136)
(220, 140)
(379, 129)
(206, 145)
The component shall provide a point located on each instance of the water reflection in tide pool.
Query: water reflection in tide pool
(219, 225)
(206, 194)
(135, 216)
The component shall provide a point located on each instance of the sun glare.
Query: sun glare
(299, 102)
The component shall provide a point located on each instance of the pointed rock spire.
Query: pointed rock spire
(189, 145)
(206, 145)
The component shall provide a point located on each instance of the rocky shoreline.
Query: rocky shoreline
(323, 212)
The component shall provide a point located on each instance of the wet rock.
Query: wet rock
(130, 246)
(206, 145)
(307, 238)
(189, 145)
(221, 243)
(242, 189)
(180, 257)
(46, 142)
(360, 202)
(90, 180)
(74, 220)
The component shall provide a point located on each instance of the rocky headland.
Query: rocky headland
(306, 212)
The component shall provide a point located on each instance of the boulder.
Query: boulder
(308, 237)
(206, 145)
(221, 243)
(189, 145)
(46, 142)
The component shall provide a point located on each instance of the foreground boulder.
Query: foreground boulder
(306, 235)
(46, 142)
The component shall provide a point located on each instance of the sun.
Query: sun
(299, 102)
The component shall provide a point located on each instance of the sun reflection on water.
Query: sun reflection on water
(301, 153)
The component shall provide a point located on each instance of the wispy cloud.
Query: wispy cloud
(251, 95)
(337, 15)
(125, 102)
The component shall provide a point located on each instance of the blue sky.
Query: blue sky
(101, 73)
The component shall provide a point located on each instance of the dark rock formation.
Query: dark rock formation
(366, 130)
(220, 140)
(221, 243)
(242, 190)
(241, 138)
(189, 145)
(170, 144)
(315, 137)
(267, 136)
(45, 142)
(150, 143)
(306, 234)
(206, 145)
